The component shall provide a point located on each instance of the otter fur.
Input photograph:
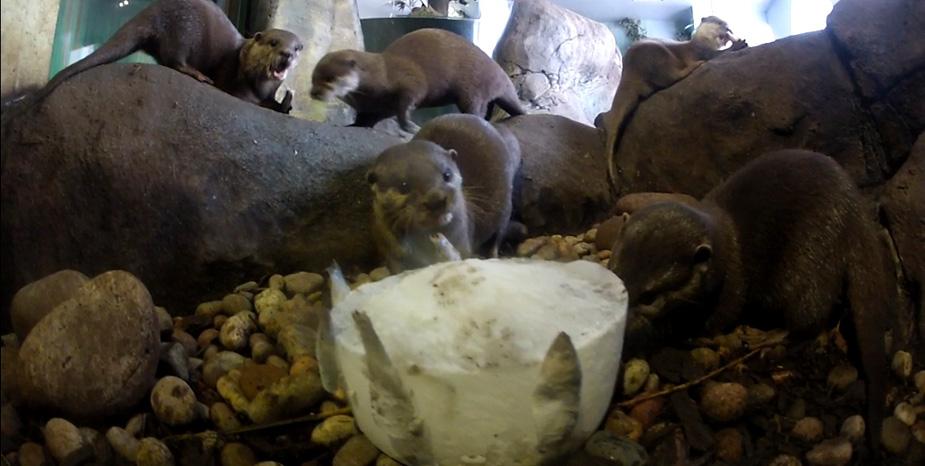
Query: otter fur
(652, 65)
(424, 68)
(196, 38)
(783, 242)
(456, 179)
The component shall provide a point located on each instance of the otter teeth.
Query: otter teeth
(446, 218)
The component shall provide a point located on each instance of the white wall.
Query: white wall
(28, 32)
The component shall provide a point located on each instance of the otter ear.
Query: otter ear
(703, 253)
(371, 177)
(258, 36)
(352, 63)
(452, 153)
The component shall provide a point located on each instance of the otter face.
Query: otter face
(336, 75)
(663, 255)
(272, 53)
(416, 187)
(714, 31)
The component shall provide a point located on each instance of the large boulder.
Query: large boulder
(560, 62)
(96, 353)
(141, 168)
(37, 299)
(803, 91)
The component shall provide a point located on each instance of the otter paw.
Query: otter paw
(286, 105)
(738, 44)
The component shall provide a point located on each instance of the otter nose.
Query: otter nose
(436, 203)
(316, 94)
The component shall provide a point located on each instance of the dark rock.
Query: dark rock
(563, 186)
(698, 434)
(903, 213)
(96, 353)
(808, 91)
(608, 231)
(621, 451)
(35, 300)
(195, 191)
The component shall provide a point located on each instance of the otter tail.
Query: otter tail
(873, 302)
(123, 43)
(614, 123)
(510, 103)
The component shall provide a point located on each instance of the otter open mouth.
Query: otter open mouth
(280, 70)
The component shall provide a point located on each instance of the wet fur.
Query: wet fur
(425, 68)
(787, 240)
(486, 159)
(196, 38)
(652, 65)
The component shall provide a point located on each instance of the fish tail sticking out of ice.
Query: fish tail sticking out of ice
(556, 400)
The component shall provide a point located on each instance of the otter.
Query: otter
(652, 65)
(424, 68)
(782, 242)
(195, 38)
(456, 179)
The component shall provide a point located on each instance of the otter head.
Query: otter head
(714, 31)
(664, 255)
(270, 54)
(336, 75)
(416, 188)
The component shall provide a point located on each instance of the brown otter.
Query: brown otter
(195, 37)
(454, 178)
(424, 68)
(781, 242)
(652, 65)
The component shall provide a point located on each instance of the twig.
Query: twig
(287, 422)
(709, 375)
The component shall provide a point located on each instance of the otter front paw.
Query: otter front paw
(738, 44)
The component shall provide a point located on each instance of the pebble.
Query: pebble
(902, 364)
(290, 396)
(635, 373)
(385, 460)
(211, 352)
(207, 337)
(724, 402)
(123, 443)
(102, 452)
(648, 411)
(729, 445)
(261, 347)
(277, 361)
(853, 428)
(622, 451)
(842, 376)
(219, 321)
(209, 309)
(530, 246)
(188, 341)
(219, 365)
(174, 356)
(918, 431)
(269, 299)
(797, 409)
(248, 286)
(895, 436)
(905, 413)
(379, 273)
(237, 330)
(334, 430)
(62, 438)
(296, 340)
(652, 383)
(276, 282)
(257, 377)
(808, 429)
(759, 394)
(622, 425)
(920, 381)
(174, 402)
(785, 460)
(223, 417)
(136, 425)
(705, 358)
(164, 321)
(303, 282)
(234, 303)
(832, 452)
(303, 364)
(358, 451)
(153, 452)
(238, 454)
(10, 424)
(360, 279)
(32, 454)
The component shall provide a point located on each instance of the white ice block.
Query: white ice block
(494, 362)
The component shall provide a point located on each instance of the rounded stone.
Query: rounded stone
(238, 454)
(808, 429)
(729, 445)
(785, 460)
(635, 374)
(234, 303)
(833, 452)
(842, 376)
(303, 282)
(219, 365)
(905, 413)
(895, 436)
(760, 393)
(358, 451)
(705, 358)
(902, 364)
(153, 452)
(32, 454)
(35, 300)
(724, 402)
(173, 401)
(619, 450)
(62, 438)
(334, 430)
(853, 428)
(920, 381)
(97, 352)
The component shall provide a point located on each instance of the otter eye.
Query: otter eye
(447, 176)
(403, 187)
(298, 48)
(371, 178)
(274, 42)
